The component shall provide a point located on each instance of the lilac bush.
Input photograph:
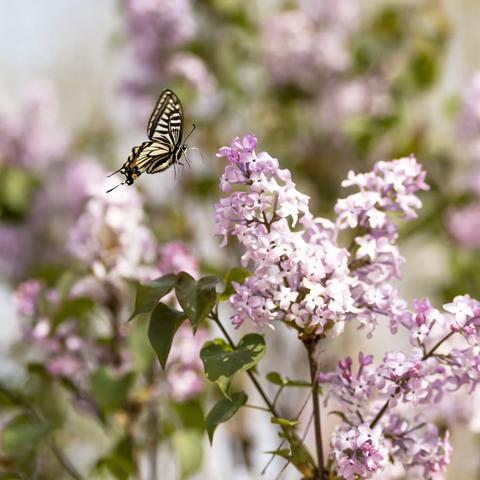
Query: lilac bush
(310, 275)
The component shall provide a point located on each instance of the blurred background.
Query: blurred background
(326, 86)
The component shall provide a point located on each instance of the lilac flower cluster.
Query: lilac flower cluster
(383, 396)
(158, 32)
(463, 222)
(313, 38)
(301, 274)
(111, 235)
(390, 188)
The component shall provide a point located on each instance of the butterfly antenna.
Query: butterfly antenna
(116, 186)
(116, 171)
(189, 133)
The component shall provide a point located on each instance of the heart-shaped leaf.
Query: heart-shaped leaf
(196, 298)
(110, 392)
(150, 293)
(237, 275)
(221, 361)
(223, 410)
(164, 323)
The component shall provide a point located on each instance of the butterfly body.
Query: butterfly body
(166, 145)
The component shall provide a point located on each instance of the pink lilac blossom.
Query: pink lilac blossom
(45, 142)
(464, 225)
(313, 38)
(159, 32)
(175, 257)
(184, 372)
(389, 393)
(299, 274)
(27, 296)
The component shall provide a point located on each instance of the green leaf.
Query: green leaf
(284, 422)
(119, 462)
(277, 379)
(189, 450)
(110, 392)
(22, 433)
(164, 323)
(191, 415)
(237, 275)
(150, 293)
(72, 307)
(223, 410)
(221, 361)
(196, 298)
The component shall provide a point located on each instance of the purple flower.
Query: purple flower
(464, 225)
(300, 275)
(27, 297)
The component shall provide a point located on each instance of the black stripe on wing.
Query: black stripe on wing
(148, 154)
(160, 126)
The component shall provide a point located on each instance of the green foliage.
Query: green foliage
(284, 422)
(72, 307)
(120, 461)
(191, 415)
(196, 298)
(221, 361)
(189, 450)
(22, 434)
(164, 323)
(150, 293)
(17, 187)
(111, 393)
(237, 275)
(223, 410)
(277, 379)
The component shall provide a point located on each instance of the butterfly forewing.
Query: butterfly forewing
(166, 122)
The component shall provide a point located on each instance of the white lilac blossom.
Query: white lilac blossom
(111, 234)
(299, 274)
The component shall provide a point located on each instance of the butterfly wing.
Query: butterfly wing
(166, 122)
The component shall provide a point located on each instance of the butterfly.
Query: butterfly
(166, 145)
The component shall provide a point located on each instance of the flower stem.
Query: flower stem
(310, 346)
